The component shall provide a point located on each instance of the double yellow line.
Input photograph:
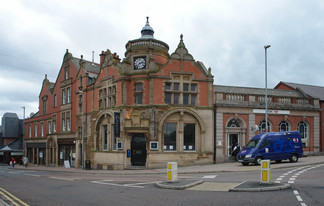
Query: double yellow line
(14, 200)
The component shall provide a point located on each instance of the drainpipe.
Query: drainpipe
(214, 157)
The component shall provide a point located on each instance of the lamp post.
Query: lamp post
(23, 133)
(266, 88)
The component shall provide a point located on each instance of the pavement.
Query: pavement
(181, 184)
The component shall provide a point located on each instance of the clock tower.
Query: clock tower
(146, 54)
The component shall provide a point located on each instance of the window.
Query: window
(42, 129)
(303, 132)
(189, 136)
(138, 93)
(49, 125)
(104, 137)
(44, 107)
(185, 87)
(176, 94)
(68, 95)
(114, 139)
(175, 98)
(63, 122)
(170, 136)
(107, 96)
(176, 86)
(185, 99)
(167, 86)
(55, 100)
(66, 74)
(35, 130)
(54, 123)
(284, 126)
(68, 122)
(233, 123)
(193, 87)
(63, 96)
(262, 127)
(29, 130)
(167, 98)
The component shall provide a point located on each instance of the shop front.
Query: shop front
(67, 151)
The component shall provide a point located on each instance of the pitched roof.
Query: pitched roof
(257, 91)
(15, 146)
(314, 91)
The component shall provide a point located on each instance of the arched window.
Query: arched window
(262, 127)
(233, 123)
(302, 129)
(284, 126)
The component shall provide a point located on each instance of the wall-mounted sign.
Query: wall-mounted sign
(128, 153)
(154, 145)
(270, 111)
(117, 125)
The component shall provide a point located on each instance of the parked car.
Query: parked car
(275, 146)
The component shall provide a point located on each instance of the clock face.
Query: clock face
(139, 63)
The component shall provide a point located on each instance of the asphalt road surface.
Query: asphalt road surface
(60, 188)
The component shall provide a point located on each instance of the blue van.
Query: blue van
(275, 146)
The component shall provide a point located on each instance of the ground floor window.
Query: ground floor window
(189, 136)
(104, 137)
(170, 134)
(303, 132)
(262, 127)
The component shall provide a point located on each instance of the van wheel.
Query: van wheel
(245, 163)
(293, 158)
(258, 160)
(278, 161)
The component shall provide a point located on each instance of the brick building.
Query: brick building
(153, 107)
(240, 110)
(148, 109)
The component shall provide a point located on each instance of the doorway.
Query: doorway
(231, 142)
(138, 150)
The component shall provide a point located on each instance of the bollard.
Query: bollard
(265, 171)
(172, 172)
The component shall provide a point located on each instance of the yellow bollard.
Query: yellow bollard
(265, 171)
(172, 172)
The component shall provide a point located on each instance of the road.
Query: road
(61, 188)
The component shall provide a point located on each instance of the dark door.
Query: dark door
(138, 150)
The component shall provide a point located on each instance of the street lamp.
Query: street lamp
(23, 133)
(82, 130)
(266, 88)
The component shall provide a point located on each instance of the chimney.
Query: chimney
(102, 57)
(92, 57)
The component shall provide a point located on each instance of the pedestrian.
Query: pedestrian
(13, 161)
(25, 161)
(236, 150)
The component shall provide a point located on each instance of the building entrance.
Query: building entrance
(138, 150)
(231, 142)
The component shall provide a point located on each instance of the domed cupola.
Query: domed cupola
(147, 31)
(146, 45)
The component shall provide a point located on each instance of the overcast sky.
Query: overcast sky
(226, 35)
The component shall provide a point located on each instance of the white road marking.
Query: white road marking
(299, 198)
(209, 176)
(279, 179)
(62, 178)
(303, 204)
(109, 182)
(296, 192)
(32, 175)
(291, 182)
